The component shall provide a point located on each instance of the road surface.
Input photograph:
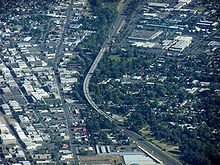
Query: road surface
(165, 158)
(55, 63)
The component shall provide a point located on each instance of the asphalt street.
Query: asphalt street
(158, 153)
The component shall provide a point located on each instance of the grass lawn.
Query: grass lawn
(115, 58)
(130, 59)
(170, 149)
(112, 6)
(200, 8)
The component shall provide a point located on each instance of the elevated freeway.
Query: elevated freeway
(160, 156)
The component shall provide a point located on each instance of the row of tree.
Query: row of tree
(158, 105)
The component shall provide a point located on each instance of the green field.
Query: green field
(115, 58)
(170, 149)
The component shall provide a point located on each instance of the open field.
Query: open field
(170, 149)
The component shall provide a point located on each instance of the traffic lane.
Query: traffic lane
(155, 150)
(87, 80)
(160, 154)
